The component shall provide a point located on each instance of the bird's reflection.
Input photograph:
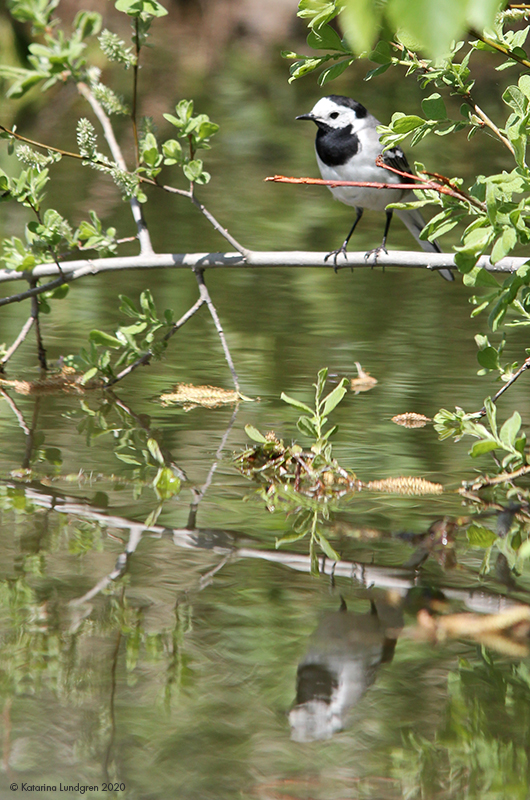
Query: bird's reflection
(345, 653)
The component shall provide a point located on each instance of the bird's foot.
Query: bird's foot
(336, 254)
(375, 253)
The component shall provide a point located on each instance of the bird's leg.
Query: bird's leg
(382, 246)
(342, 248)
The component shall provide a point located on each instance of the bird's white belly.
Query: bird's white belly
(363, 197)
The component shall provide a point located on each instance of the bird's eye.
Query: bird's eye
(334, 115)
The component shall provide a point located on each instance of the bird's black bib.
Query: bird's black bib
(335, 146)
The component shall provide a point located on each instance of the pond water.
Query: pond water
(158, 648)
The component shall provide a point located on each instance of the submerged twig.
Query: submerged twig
(205, 295)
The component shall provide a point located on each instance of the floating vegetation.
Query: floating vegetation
(190, 396)
(405, 485)
(289, 466)
(68, 381)
(364, 382)
(411, 420)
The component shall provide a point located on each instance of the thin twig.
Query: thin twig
(199, 274)
(504, 477)
(146, 247)
(18, 341)
(442, 184)
(21, 138)
(426, 184)
(489, 123)
(199, 494)
(33, 292)
(501, 49)
(218, 227)
(522, 368)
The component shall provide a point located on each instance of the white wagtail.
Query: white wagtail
(347, 145)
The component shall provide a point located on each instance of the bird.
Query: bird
(347, 145)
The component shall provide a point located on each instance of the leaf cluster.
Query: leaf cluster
(142, 337)
(508, 439)
(196, 130)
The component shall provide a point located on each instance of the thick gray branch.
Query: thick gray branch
(292, 258)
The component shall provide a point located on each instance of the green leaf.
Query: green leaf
(431, 23)
(325, 38)
(193, 169)
(290, 538)
(87, 23)
(254, 434)
(485, 446)
(504, 244)
(327, 548)
(136, 7)
(334, 397)
(360, 20)
(333, 72)
(491, 413)
(307, 427)
(407, 123)
(178, 123)
(488, 358)
(524, 85)
(88, 375)
(434, 107)
(127, 307)
(479, 536)
(510, 429)
(154, 449)
(296, 403)
(166, 483)
(172, 151)
(105, 339)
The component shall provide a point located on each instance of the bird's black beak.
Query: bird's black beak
(306, 116)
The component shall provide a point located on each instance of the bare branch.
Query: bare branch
(404, 259)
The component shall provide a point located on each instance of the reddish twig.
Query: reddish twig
(446, 187)
(321, 182)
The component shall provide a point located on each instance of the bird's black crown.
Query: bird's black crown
(341, 100)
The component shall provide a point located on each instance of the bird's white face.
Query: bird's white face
(337, 115)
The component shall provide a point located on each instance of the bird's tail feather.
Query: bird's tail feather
(412, 218)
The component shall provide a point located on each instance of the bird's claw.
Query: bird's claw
(375, 253)
(336, 254)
